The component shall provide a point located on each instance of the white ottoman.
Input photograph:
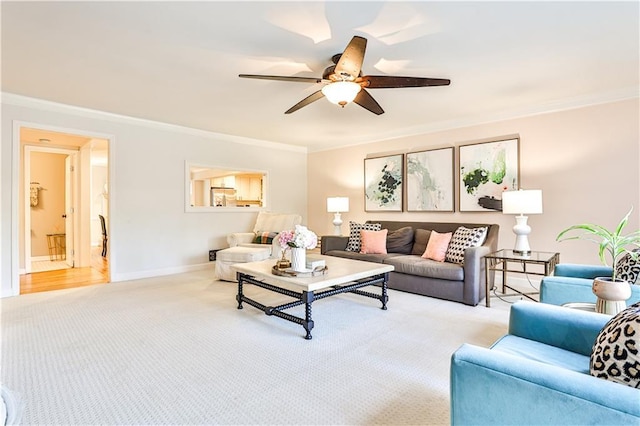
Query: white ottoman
(227, 257)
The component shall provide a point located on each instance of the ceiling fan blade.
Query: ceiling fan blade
(366, 101)
(306, 101)
(351, 59)
(393, 81)
(282, 78)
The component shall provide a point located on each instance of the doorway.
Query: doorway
(65, 182)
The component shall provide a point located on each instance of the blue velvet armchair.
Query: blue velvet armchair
(572, 283)
(539, 374)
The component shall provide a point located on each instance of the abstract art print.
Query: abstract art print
(430, 180)
(487, 170)
(383, 183)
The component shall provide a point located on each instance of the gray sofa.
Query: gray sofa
(451, 281)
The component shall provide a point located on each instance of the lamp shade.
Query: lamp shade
(337, 204)
(341, 92)
(522, 202)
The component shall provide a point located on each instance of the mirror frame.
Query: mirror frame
(188, 208)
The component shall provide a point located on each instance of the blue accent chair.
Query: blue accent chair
(572, 283)
(539, 374)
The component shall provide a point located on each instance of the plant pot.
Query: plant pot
(612, 295)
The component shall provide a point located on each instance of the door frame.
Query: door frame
(73, 196)
(16, 168)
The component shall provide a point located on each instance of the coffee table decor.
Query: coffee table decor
(335, 277)
(288, 272)
(298, 241)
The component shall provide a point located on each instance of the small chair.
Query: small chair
(539, 374)
(104, 235)
(572, 283)
(243, 248)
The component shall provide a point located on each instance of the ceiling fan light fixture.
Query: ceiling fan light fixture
(341, 92)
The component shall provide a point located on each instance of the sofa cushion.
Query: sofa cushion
(416, 265)
(400, 240)
(378, 258)
(616, 352)
(462, 239)
(437, 246)
(420, 240)
(628, 268)
(264, 237)
(373, 242)
(540, 352)
(354, 234)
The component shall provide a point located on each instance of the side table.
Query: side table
(499, 261)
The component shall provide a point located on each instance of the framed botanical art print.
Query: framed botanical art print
(383, 183)
(487, 169)
(430, 180)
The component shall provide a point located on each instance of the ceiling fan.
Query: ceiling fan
(345, 82)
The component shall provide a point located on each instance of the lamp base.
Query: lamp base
(337, 224)
(522, 231)
(522, 252)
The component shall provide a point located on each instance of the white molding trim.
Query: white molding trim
(16, 165)
(511, 114)
(41, 104)
(127, 276)
(40, 258)
(528, 111)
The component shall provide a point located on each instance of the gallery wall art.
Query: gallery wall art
(430, 180)
(383, 183)
(486, 170)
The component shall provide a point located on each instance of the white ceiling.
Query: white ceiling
(178, 62)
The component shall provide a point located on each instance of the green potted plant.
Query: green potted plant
(611, 292)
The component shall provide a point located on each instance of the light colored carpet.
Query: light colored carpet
(175, 350)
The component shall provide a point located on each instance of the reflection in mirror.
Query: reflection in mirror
(215, 188)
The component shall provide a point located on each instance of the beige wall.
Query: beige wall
(46, 218)
(585, 160)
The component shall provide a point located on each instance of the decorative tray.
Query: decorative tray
(288, 272)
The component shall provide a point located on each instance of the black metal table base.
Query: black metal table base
(308, 297)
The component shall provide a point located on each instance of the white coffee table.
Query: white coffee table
(343, 275)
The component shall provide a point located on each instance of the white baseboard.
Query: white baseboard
(159, 272)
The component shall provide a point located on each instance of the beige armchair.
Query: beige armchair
(266, 222)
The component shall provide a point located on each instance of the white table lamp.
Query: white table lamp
(337, 205)
(520, 203)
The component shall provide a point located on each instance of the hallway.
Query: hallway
(97, 273)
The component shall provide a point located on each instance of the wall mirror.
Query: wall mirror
(211, 188)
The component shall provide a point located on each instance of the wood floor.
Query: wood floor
(97, 273)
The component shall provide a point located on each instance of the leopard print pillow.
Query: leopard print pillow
(616, 352)
(629, 268)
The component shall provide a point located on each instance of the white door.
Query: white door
(69, 166)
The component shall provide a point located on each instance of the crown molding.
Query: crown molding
(510, 114)
(44, 105)
(566, 104)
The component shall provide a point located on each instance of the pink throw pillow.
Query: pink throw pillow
(437, 246)
(373, 242)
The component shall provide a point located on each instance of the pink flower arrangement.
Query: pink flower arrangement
(301, 237)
